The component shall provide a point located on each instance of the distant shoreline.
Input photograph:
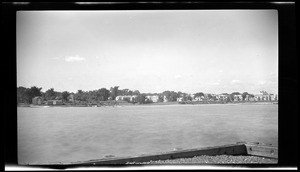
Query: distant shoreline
(154, 104)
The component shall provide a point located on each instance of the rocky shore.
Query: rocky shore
(219, 159)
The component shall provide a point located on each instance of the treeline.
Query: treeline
(25, 95)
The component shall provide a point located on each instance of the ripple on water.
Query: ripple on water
(83, 133)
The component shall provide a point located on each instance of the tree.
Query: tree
(136, 92)
(148, 100)
(125, 92)
(167, 94)
(173, 96)
(58, 95)
(127, 99)
(141, 98)
(21, 98)
(231, 97)
(130, 92)
(200, 94)
(102, 94)
(50, 94)
(32, 92)
(79, 95)
(209, 96)
(35, 91)
(114, 92)
(160, 98)
(244, 95)
(65, 95)
(188, 97)
(25, 95)
(85, 96)
(236, 93)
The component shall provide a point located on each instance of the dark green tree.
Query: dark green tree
(230, 97)
(200, 94)
(136, 92)
(167, 94)
(130, 92)
(236, 93)
(244, 95)
(209, 96)
(79, 95)
(32, 92)
(65, 95)
(141, 98)
(160, 98)
(21, 97)
(114, 92)
(50, 94)
(102, 94)
(173, 96)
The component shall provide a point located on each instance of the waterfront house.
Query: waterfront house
(221, 97)
(264, 96)
(153, 98)
(119, 98)
(180, 99)
(133, 98)
(201, 98)
(192, 96)
(54, 102)
(198, 98)
(71, 98)
(37, 100)
(276, 97)
(127, 97)
(238, 97)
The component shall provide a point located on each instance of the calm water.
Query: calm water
(68, 134)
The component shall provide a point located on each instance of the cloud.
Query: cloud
(74, 58)
(261, 83)
(215, 83)
(235, 81)
(55, 58)
(177, 76)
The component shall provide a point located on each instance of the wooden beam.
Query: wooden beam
(260, 149)
(240, 148)
(233, 149)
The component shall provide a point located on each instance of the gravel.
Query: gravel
(219, 159)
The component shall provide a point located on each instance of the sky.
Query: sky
(210, 51)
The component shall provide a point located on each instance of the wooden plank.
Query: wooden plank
(234, 149)
(260, 149)
(240, 148)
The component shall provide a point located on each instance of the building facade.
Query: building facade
(54, 102)
(153, 98)
(37, 100)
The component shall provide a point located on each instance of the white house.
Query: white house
(165, 99)
(238, 97)
(153, 98)
(128, 97)
(180, 99)
(221, 97)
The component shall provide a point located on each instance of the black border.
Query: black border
(288, 79)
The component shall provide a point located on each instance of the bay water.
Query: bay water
(70, 134)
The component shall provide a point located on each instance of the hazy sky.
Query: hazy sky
(210, 51)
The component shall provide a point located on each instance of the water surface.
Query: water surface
(68, 134)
